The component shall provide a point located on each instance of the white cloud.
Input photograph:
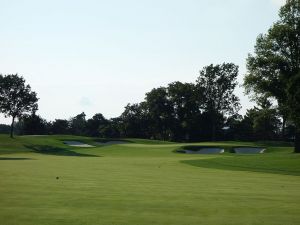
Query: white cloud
(85, 101)
(278, 2)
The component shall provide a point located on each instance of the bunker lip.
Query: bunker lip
(249, 150)
(77, 144)
(201, 150)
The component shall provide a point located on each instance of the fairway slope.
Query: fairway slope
(277, 164)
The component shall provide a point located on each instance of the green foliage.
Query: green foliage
(32, 124)
(186, 113)
(134, 121)
(160, 113)
(273, 70)
(216, 85)
(93, 125)
(4, 129)
(294, 97)
(259, 123)
(16, 98)
(78, 124)
(111, 129)
(180, 111)
(60, 126)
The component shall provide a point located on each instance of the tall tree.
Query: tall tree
(93, 124)
(16, 98)
(111, 129)
(135, 121)
(32, 124)
(216, 85)
(274, 68)
(182, 97)
(265, 121)
(160, 113)
(59, 126)
(78, 124)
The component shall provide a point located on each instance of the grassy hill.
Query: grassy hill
(44, 181)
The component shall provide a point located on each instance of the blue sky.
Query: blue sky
(97, 56)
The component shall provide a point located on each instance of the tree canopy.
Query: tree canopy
(16, 98)
(273, 69)
(216, 85)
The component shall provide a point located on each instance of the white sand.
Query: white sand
(206, 151)
(77, 144)
(249, 150)
(111, 143)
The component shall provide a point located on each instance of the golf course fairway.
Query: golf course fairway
(139, 182)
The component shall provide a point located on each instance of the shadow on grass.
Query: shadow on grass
(262, 165)
(7, 158)
(182, 149)
(50, 150)
(104, 142)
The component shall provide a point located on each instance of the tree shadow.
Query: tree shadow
(108, 140)
(195, 148)
(241, 165)
(50, 150)
(8, 158)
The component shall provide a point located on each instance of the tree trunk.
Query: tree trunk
(12, 127)
(297, 140)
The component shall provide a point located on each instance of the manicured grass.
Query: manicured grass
(281, 164)
(145, 182)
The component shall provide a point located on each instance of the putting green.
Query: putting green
(43, 181)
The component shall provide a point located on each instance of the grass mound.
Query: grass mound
(276, 164)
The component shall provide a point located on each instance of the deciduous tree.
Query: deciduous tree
(16, 98)
(274, 68)
(216, 85)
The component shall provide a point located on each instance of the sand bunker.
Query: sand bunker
(249, 150)
(205, 151)
(111, 143)
(77, 144)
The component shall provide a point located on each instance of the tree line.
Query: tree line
(204, 110)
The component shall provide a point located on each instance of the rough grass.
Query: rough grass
(46, 182)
